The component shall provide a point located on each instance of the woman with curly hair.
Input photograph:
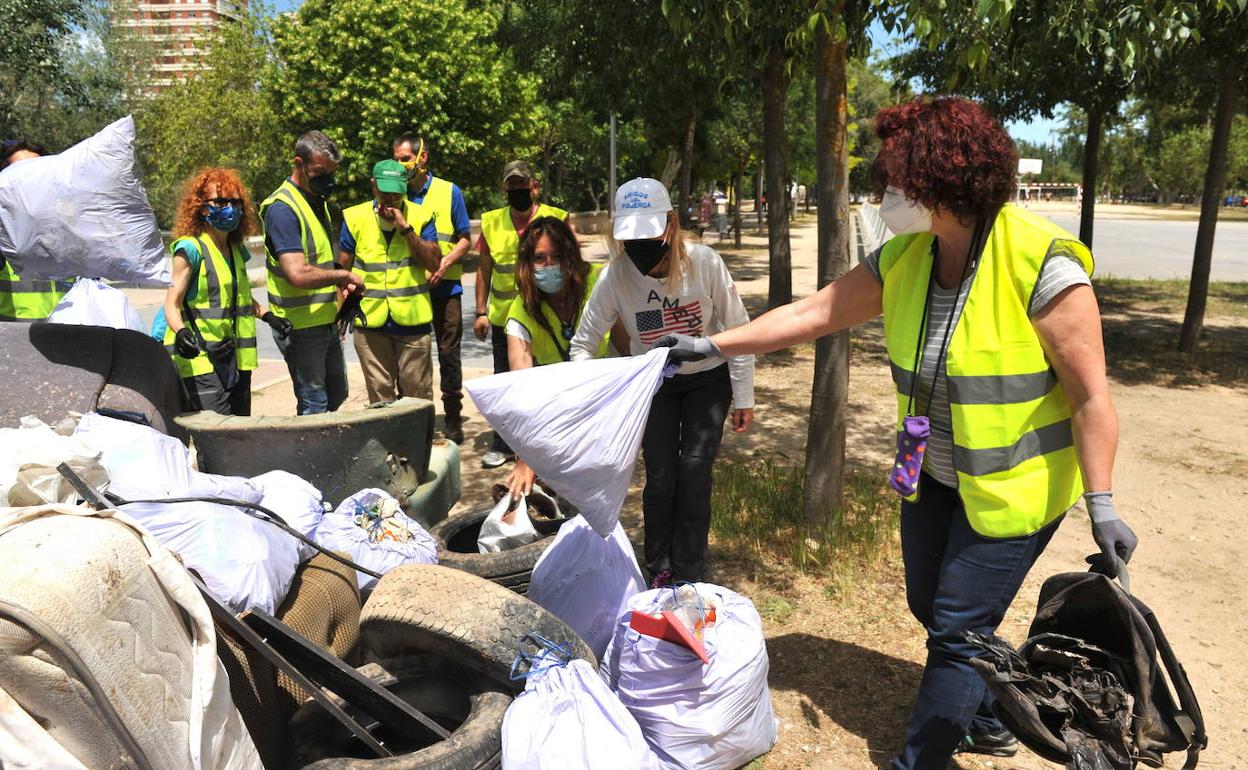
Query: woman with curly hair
(1003, 410)
(209, 312)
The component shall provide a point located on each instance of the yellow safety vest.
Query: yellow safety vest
(395, 285)
(552, 350)
(217, 317)
(1013, 448)
(304, 308)
(504, 242)
(28, 299)
(437, 204)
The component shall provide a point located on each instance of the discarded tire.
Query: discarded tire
(457, 548)
(466, 620)
(470, 706)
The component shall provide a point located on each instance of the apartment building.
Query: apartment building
(179, 30)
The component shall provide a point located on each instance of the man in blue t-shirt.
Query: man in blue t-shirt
(445, 287)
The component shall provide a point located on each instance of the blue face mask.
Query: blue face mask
(549, 280)
(223, 218)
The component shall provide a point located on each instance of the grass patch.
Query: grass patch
(757, 512)
(1226, 298)
(774, 608)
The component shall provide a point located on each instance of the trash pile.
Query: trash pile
(371, 529)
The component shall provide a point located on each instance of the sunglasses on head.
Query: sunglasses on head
(220, 202)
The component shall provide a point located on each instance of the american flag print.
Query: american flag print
(682, 319)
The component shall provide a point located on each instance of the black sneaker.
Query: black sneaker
(999, 743)
(453, 430)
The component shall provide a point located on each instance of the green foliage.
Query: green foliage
(222, 116)
(66, 69)
(366, 70)
(1179, 164)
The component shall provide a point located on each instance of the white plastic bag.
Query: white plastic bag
(578, 425)
(244, 562)
(567, 719)
(587, 580)
(715, 716)
(82, 212)
(298, 503)
(92, 303)
(370, 529)
(28, 459)
(502, 531)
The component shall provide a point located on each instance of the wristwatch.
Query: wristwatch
(407, 230)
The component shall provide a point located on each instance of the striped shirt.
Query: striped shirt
(932, 395)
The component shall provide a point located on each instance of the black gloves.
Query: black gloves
(184, 343)
(350, 311)
(685, 348)
(281, 326)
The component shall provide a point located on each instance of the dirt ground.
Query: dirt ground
(845, 665)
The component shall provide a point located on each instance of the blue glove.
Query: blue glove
(685, 348)
(1110, 532)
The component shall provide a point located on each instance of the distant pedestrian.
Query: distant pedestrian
(444, 201)
(303, 278)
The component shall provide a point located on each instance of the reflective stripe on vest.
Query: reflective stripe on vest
(302, 307)
(545, 350)
(437, 203)
(396, 286)
(1013, 447)
(504, 242)
(214, 317)
(23, 299)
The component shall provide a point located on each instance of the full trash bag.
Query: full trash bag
(370, 529)
(587, 580)
(297, 502)
(577, 424)
(713, 716)
(245, 562)
(567, 719)
(28, 459)
(506, 527)
(82, 212)
(92, 303)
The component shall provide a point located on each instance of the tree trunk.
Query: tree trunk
(686, 169)
(758, 197)
(736, 210)
(829, 397)
(1091, 159)
(1215, 181)
(780, 260)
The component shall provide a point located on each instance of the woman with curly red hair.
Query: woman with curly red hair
(1003, 410)
(209, 312)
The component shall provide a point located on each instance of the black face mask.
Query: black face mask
(321, 185)
(521, 199)
(645, 254)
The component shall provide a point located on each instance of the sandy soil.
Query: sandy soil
(845, 664)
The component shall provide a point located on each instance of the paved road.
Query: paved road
(1142, 248)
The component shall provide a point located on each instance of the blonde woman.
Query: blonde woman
(656, 285)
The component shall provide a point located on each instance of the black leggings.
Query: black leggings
(682, 438)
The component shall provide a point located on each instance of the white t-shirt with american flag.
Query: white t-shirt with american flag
(706, 302)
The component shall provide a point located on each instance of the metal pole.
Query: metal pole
(611, 184)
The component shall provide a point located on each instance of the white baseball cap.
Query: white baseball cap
(641, 207)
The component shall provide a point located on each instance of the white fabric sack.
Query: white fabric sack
(244, 562)
(587, 580)
(92, 303)
(567, 719)
(217, 737)
(577, 424)
(715, 716)
(500, 535)
(82, 213)
(339, 532)
(28, 459)
(298, 503)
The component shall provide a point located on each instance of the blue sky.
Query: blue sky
(1038, 130)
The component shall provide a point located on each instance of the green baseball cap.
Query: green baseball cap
(390, 176)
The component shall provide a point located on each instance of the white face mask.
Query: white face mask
(903, 215)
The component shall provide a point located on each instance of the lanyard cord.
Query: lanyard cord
(968, 268)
